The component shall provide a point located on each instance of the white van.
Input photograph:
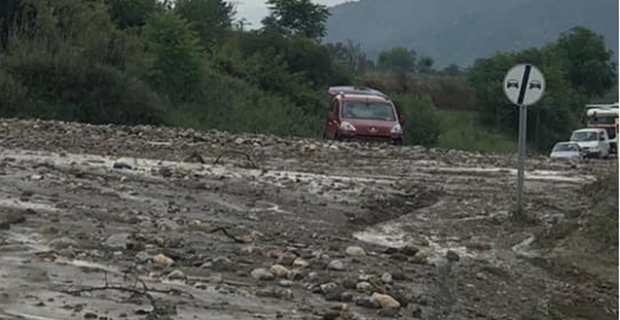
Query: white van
(594, 141)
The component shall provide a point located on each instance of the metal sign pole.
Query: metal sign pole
(524, 85)
(521, 158)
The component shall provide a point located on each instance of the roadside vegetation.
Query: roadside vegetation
(192, 63)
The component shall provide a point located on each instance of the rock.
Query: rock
(15, 217)
(409, 250)
(279, 271)
(90, 315)
(121, 165)
(119, 241)
(416, 312)
(162, 260)
(285, 283)
(177, 275)
(313, 275)
(347, 296)
(355, 251)
(63, 243)
(67, 253)
(364, 286)
(294, 275)
(387, 277)
(336, 265)
(167, 224)
(5, 225)
(452, 256)
(286, 259)
(247, 250)
(300, 263)
(479, 245)
(368, 302)
(222, 264)
(328, 288)
(278, 293)
(422, 257)
(143, 257)
(47, 229)
(262, 274)
(385, 301)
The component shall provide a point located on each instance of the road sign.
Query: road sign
(524, 84)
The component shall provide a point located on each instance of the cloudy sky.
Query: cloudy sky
(254, 10)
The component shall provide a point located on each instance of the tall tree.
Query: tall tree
(297, 17)
(399, 60)
(178, 64)
(585, 55)
(208, 18)
(425, 64)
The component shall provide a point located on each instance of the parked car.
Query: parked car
(594, 141)
(363, 114)
(567, 150)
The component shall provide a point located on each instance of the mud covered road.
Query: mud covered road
(105, 222)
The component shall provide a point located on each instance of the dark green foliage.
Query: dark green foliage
(422, 119)
(570, 86)
(297, 17)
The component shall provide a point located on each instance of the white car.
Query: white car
(567, 150)
(594, 141)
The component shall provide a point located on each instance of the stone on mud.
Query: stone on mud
(118, 241)
(15, 217)
(262, 274)
(385, 301)
(161, 259)
(177, 275)
(279, 271)
(300, 263)
(355, 251)
(364, 286)
(62, 243)
(387, 277)
(336, 265)
(286, 259)
(278, 293)
(222, 264)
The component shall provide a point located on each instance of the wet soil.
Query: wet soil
(111, 222)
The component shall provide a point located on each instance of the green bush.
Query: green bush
(422, 121)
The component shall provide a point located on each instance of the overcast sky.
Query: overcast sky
(254, 10)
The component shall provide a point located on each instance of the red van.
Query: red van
(364, 114)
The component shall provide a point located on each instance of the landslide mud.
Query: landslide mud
(104, 207)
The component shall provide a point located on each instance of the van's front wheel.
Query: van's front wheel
(397, 141)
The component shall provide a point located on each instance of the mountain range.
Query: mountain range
(460, 31)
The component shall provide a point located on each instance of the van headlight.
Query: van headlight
(347, 126)
(397, 129)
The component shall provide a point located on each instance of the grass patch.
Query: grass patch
(462, 130)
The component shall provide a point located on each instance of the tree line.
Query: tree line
(190, 63)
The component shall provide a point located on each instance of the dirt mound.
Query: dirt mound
(583, 252)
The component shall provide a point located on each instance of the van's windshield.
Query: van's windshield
(368, 110)
(585, 136)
